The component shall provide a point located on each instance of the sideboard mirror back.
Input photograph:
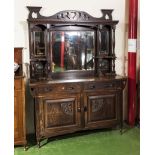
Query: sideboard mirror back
(71, 44)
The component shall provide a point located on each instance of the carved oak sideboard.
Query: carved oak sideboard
(72, 72)
(71, 105)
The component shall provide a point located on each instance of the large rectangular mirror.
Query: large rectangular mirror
(72, 50)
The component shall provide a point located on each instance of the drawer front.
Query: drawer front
(58, 88)
(99, 85)
(18, 84)
(68, 87)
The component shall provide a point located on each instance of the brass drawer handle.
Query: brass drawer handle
(92, 87)
(67, 88)
(70, 88)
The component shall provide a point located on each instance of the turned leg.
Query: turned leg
(38, 143)
(121, 126)
(121, 130)
(25, 147)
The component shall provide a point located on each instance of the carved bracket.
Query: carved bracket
(107, 14)
(124, 81)
(34, 12)
(121, 84)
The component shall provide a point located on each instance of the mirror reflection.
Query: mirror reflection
(39, 44)
(72, 50)
(104, 42)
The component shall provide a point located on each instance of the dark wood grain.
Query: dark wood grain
(19, 112)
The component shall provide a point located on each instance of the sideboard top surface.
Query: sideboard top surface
(91, 79)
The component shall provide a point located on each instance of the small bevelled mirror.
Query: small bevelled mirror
(72, 50)
(39, 43)
(104, 42)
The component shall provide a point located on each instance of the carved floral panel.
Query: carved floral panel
(102, 107)
(59, 113)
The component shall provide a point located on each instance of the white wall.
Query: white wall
(50, 7)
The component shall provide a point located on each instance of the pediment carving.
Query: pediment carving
(68, 15)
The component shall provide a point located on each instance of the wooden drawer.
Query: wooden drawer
(99, 85)
(68, 87)
(18, 84)
(54, 88)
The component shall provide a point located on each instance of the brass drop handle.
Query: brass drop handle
(91, 86)
(70, 88)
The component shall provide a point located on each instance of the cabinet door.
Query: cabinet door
(61, 114)
(101, 109)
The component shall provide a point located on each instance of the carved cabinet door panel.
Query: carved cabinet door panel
(100, 109)
(61, 114)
